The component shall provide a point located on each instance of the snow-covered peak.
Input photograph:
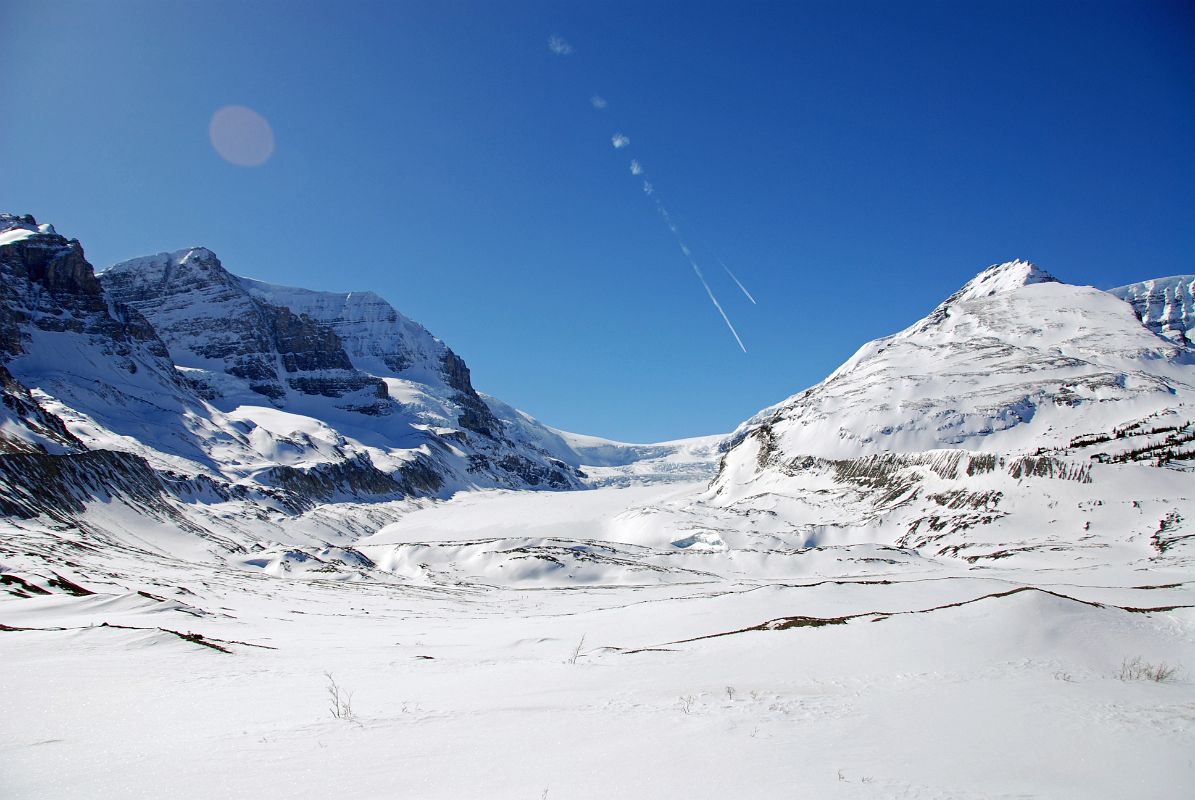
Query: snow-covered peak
(1014, 361)
(191, 267)
(996, 280)
(1000, 278)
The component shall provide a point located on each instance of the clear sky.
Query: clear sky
(853, 162)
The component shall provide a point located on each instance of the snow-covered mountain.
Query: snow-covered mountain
(273, 356)
(281, 397)
(1022, 414)
(1014, 361)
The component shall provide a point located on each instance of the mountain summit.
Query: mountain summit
(1004, 277)
(1013, 361)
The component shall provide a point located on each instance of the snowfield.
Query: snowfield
(483, 661)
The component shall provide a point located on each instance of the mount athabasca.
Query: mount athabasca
(265, 541)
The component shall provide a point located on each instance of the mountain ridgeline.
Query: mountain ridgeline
(204, 400)
(302, 397)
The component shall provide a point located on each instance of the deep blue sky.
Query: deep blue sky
(854, 163)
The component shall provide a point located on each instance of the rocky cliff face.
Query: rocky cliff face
(216, 330)
(67, 347)
(46, 285)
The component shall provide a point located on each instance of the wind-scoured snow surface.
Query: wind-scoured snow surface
(960, 567)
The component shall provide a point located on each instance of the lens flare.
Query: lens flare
(241, 136)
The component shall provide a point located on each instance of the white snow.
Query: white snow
(468, 683)
(16, 235)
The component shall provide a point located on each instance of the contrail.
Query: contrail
(684, 248)
(717, 305)
(735, 278)
(729, 272)
(619, 141)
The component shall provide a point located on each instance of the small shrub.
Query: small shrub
(340, 701)
(1138, 669)
(577, 651)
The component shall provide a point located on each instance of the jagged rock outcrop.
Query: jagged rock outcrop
(475, 414)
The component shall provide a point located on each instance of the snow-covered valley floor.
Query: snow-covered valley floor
(491, 670)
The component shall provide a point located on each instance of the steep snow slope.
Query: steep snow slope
(1166, 305)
